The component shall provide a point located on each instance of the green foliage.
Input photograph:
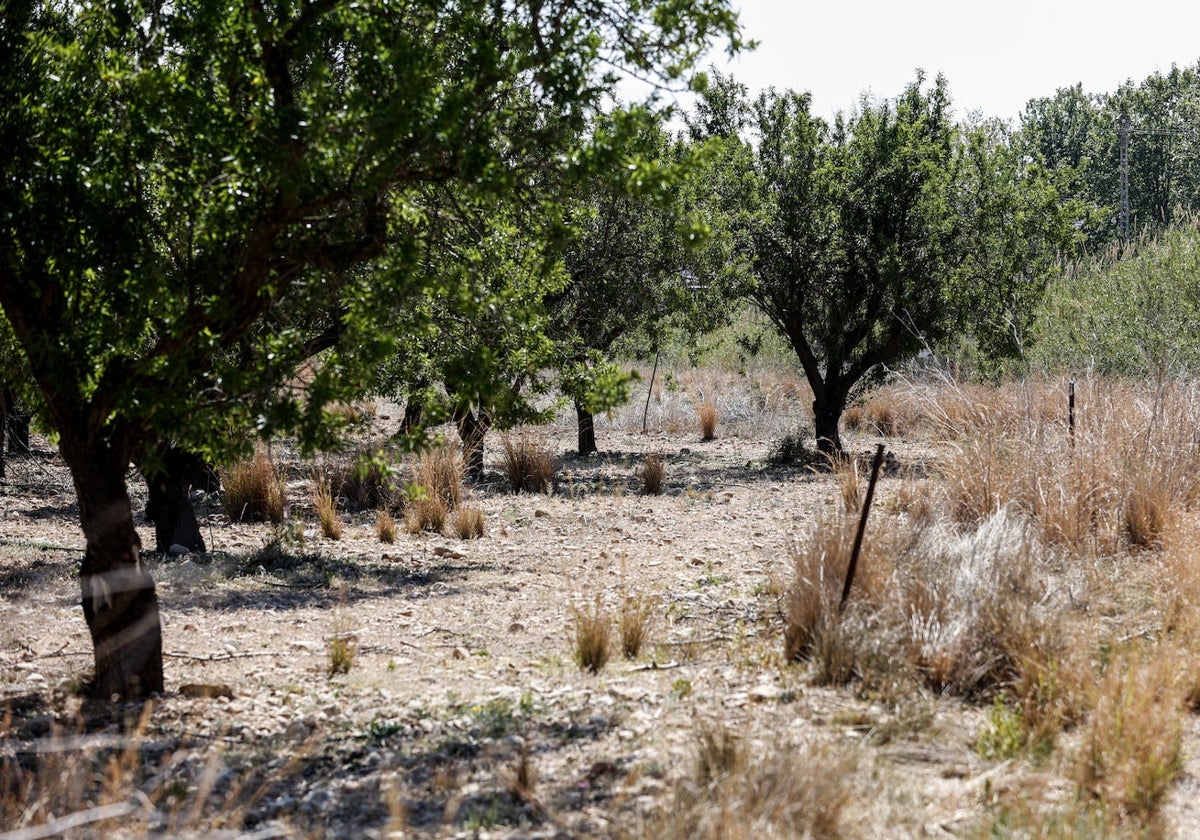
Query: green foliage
(1074, 134)
(1130, 312)
(887, 231)
(852, 232)
(1003, 733)
(195, 201)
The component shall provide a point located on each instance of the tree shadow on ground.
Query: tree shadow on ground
(285, 581)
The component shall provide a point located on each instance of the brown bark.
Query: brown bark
(118, 595)
(473, 427)
(169, 481)
(826, 414)
(586, 430)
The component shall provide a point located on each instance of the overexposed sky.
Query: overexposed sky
(996, 55)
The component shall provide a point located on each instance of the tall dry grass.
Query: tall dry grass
(1131, 466)
(529, 464)
(253, 489)
(1131, 747)
(970, 613)
(439, 471)
(740, 791)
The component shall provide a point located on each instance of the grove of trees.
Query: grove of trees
(193, 193)
(441, 202)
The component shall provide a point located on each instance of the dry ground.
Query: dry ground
(464, 713)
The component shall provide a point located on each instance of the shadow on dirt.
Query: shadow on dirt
(283, 581)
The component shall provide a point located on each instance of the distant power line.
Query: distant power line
(1124, 129)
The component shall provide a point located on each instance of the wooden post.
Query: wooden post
(653, 373)
(862, 527)
(1071, 413)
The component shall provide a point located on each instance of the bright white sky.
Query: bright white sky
(995, 55)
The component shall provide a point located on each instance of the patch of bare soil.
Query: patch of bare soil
(463, 712)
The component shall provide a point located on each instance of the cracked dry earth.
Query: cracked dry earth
(463, 713)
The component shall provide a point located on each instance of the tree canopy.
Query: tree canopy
(194, 192)
(878, 234)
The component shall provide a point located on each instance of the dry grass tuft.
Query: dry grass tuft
(1146, 513)
(439, 471)
(634, 623)
(528, 463)
(914, 500)
(592, 637)
(1132, 463)
(325, 505)
(819, 565)
(385, 526)
(370, 482)
(1131, 748)
(467, 523)
(653, 473)
(342, 648)
(850, 483)
(781, 790)
(426, 514)
(719, 753)
(707, 412)
(254, 489)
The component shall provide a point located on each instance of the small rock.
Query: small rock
(177, 550)
(205, 691)
(765, 692)
(540, 513)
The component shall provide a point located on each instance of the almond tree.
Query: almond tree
(190, 191)
(884, 232)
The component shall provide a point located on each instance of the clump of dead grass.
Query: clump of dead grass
(325, 504)
(707, 412)
(528, 465)
(634, 621)
(1131, 748)
(254, 489)
(1115, 485)
(592, 636)
(438, 471)
(426, 513)
(467, 522)
(369, 481)
(385, 526)
(653, 474)
(739, 792)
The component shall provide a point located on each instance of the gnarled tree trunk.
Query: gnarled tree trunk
(118, 595)
(587, 429)
(169, 480)
(473, 427)
(826, 414)
(16, 424)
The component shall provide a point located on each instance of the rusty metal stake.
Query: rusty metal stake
(653, 373)
(862, 527)
(1071, 412)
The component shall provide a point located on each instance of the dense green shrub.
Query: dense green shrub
(1130, 312)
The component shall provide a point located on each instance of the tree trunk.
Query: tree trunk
(3, 425)
(169, 507)
(587, 429)
(826, 414)
(118, 595)
(16, 423)
(414, 408)
(472, 428)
